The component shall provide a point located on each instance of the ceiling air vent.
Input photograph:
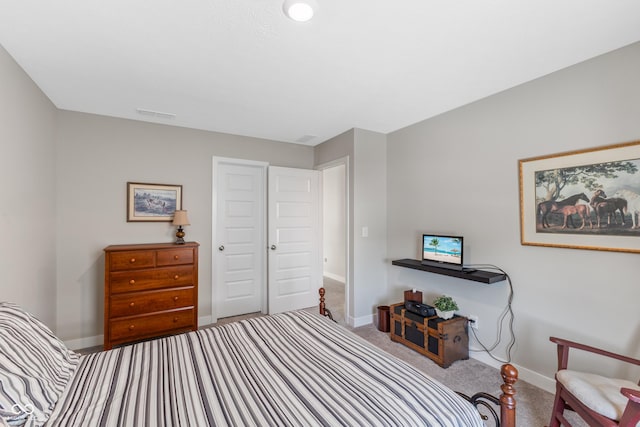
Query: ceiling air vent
(306, 138)
(153, 113)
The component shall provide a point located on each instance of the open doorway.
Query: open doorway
(334, 238)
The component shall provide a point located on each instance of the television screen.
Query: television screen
(445, 251)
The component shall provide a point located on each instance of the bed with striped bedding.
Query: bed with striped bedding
(289, 369)
(294, 369)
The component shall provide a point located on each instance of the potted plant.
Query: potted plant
(445, 306)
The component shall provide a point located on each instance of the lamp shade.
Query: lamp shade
(180, 218)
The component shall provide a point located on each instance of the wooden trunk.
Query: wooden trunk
(443, 341)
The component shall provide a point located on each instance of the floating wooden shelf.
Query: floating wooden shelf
(477, 276)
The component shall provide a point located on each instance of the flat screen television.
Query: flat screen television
(443, 251)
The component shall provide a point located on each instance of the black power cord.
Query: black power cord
(507, 312)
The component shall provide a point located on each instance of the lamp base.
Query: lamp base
(180, 236)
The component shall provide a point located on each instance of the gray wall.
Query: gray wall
(458, 172)
(338, 147)
(65, 186)
(367, 270)
(27, 193)
(96, 157)
(370, 211)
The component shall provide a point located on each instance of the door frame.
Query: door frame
(214, 210)
(344, 161)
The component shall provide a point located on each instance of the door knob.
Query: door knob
(221, 248)
(273, 247)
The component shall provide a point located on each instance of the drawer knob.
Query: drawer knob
(176, 277)
(132, 282)
(176, 257)
(175, 298)
(132, 260)
(175, 319)
(132, 304)
(131, 327)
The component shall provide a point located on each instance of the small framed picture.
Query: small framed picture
(152, 202)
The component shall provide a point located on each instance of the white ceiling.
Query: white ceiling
(242, 67)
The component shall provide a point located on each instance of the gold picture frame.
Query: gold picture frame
(152, 202)
(584, 199)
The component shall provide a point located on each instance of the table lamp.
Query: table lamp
(180, 219)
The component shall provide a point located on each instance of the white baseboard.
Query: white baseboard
(205, 320)
(335, 277)
(361, 321)
(524, 374)
(87, 342)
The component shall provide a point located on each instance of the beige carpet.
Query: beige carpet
(467, 376)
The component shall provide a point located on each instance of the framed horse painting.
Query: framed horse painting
(585, 199)
(152, 202)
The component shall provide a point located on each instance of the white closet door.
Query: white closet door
(294, 238)
(239, 255)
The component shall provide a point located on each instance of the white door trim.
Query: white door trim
(214, 203)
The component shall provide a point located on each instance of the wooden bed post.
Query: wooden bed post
(507, 400)
(322, 307)
(324, 311)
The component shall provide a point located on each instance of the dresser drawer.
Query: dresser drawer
(167, 277)
(174, 257)
(138, 327)
(131, 260)
(149, 301)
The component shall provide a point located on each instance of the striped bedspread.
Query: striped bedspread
(290, 369)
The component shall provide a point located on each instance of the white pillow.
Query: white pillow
(35, 367)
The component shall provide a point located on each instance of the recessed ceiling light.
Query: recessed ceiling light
(300, 10)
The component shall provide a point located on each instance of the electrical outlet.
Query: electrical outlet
(473, 319)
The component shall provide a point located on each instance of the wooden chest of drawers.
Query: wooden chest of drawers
(443, 341)
(150, 290)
